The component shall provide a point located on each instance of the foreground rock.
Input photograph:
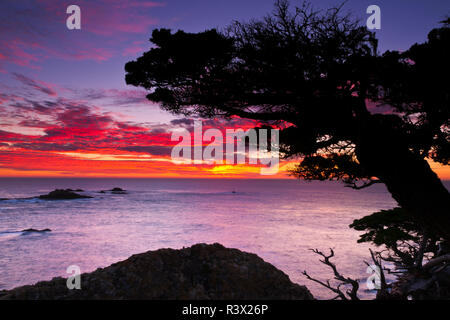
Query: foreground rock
(199, 272)
(61, 194)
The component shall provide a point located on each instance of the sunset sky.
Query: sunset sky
(65, 109)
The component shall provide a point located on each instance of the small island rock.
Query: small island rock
(61, 194)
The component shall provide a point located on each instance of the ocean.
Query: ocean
(280, 220)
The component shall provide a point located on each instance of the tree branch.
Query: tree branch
(352, 294)
(434, 262)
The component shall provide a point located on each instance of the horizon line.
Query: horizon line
(177, 178)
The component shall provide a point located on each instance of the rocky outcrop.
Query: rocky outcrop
(199, 272)
(115, 191)
(62, 194)
(118, 191)
(30, 230)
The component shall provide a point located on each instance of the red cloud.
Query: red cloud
(73, 136)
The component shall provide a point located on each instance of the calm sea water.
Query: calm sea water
(280, 220)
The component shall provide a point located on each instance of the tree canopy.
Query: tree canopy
(321, 72)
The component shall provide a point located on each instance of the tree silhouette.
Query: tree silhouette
(320, 71)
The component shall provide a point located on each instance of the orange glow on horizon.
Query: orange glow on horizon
(90, 165)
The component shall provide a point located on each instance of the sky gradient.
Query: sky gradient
(66, 110)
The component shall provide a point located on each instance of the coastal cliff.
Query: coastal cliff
(198, 272)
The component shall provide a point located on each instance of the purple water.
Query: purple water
(277, 219)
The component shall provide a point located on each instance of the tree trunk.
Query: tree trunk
(406, 175)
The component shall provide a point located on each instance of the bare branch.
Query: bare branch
(434, 262)
(383, 292)
(327, 285)
(352, 294)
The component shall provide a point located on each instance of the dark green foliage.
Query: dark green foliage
(386, 227)
(335, 167)
(416, 84)
(178, 61)
(404, 241)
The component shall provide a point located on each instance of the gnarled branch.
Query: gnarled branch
(352, 294)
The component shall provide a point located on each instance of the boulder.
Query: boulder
(61, 194)
(198, 272)
(117, 190)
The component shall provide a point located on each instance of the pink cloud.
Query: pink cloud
(134, 50)
(98, 54)
(109, 17)
(15, 51)
(37, 32)
(36, 84)
(140, 4)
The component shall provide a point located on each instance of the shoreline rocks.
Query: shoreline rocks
(68, 194)
(62, 194)
(207, 272)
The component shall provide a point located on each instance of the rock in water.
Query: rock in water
(117, 190)
(199, 272)
(61, 194)
(36, 230)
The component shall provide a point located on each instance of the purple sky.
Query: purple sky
(34, 32)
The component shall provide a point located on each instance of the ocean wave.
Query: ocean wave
(12, 234)
(20, 200)
(6, 235)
